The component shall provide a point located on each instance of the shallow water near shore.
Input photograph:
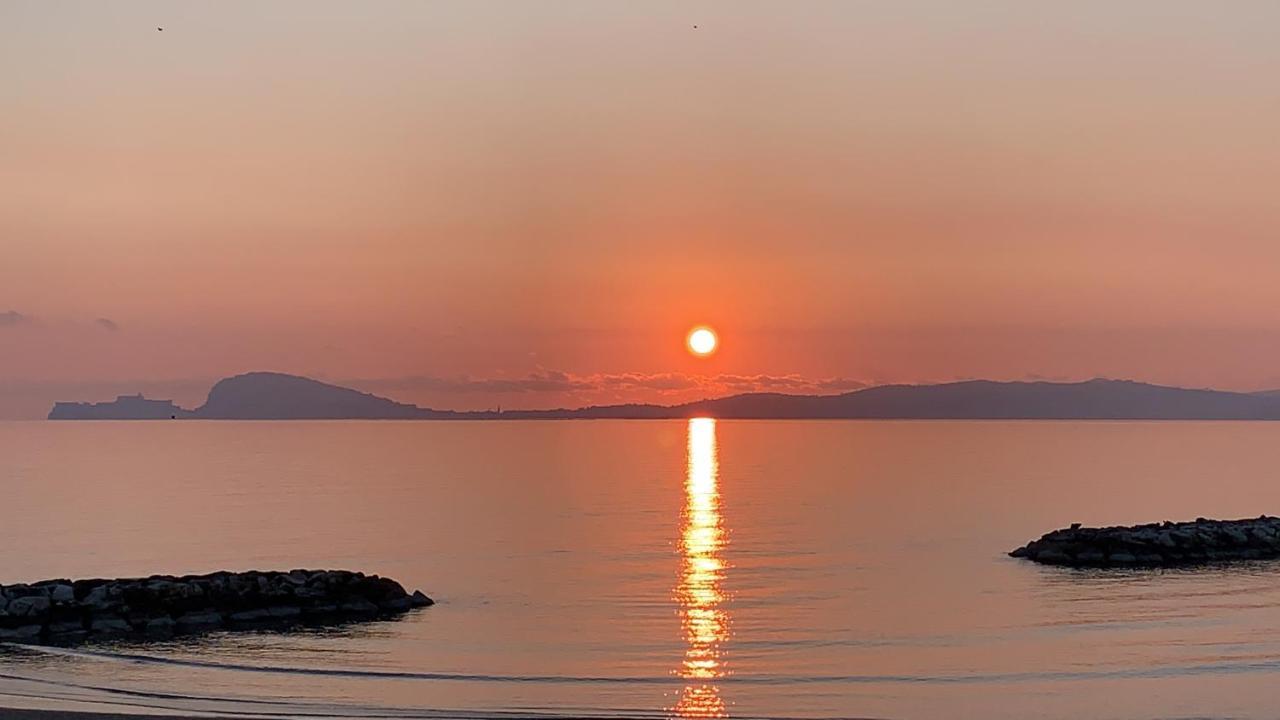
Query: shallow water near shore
(658, 569)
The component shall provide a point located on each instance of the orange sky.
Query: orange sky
(529, 203)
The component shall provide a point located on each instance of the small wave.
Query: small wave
(1163, 671)
(259, 708)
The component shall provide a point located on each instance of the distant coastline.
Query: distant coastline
(279, 396)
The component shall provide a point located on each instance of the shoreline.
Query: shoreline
(11, 713)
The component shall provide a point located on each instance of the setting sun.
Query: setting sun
(702, 341)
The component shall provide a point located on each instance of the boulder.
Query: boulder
(162, 626)
(110, 625)
(103, 598)
(21, 633)
(29, 606)
(62, 594)
(66, 630)
(284, 613)
(400, 604)
(257, 615)
(320, 611)
(22, 590)
(198, 621)
(358, 607)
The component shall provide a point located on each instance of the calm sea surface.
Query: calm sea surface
(659, 569)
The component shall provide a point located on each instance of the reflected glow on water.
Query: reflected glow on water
(699, 594)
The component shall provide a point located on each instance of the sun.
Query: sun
(702, 341)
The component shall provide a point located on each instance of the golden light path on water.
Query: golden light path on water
(699, 594)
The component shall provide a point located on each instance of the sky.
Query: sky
(529, 204)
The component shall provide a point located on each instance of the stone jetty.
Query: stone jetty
(1157, 544)
(68, 611)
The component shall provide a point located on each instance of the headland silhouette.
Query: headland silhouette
(280, 396)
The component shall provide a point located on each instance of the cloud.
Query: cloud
(662, 382)
(842, 384)
(645, 384)
(13, 318)
(539, 381)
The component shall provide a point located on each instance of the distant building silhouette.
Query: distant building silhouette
(124, 407)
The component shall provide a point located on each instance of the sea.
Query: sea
(658, 569)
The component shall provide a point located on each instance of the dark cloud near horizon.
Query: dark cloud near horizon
(11, 318)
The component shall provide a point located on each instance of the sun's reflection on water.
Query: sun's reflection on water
(699, 594)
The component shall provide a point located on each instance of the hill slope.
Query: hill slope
(277, 396)
(984, 399)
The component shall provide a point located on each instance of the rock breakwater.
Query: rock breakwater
(68, 611)
(1157, 544)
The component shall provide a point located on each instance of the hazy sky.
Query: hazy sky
(465, 204)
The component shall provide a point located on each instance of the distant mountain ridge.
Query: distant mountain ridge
(278, 396)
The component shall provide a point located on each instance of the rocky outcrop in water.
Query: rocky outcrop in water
(62, 611)
(1157, 544)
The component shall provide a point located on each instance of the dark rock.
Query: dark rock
(21, 590)
(162, 626)
(320, 611)
(103, 598)
(21, 633)
(250, 616)
(1053, 557)
(199, 621)
(62, 594)
(110, 625)
(29, 606)
(160, 605)
(358, 607)
(284, 613)
(1157, 544)
(400, 604)
(66, 631)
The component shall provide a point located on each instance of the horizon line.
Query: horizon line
(498, 411)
